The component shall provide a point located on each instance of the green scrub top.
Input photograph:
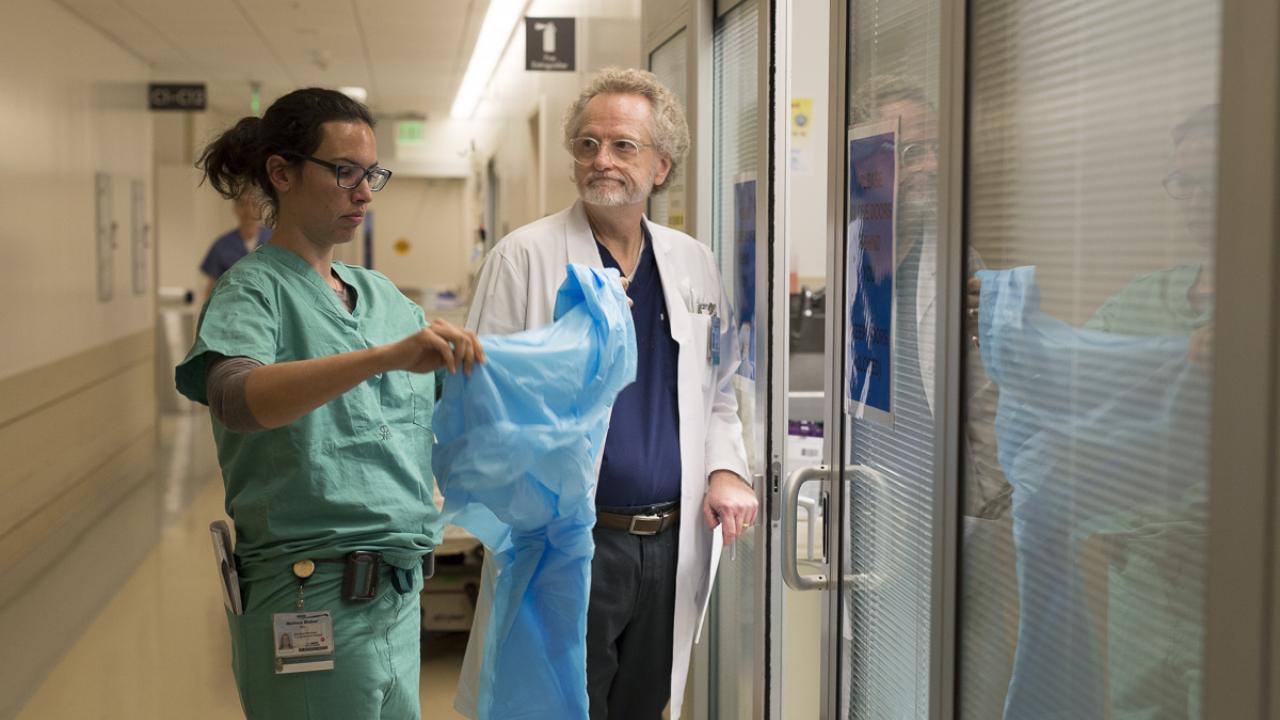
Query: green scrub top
(353, 474)
(1156, 546)
(1154, 303)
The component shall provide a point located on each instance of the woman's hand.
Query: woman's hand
(441, 344)
(1200, 349)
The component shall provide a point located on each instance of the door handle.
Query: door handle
(874, 480)
(790, 503)
(790, 506)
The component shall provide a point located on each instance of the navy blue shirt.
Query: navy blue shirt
(226, 250)
(642, 450)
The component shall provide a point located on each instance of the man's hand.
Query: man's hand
(626, 286)
(730, 502)
(441, 344)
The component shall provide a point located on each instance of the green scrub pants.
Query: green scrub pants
(376, 650)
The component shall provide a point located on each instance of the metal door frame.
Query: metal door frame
(833, 381)
(771, 284)
(1242, 635)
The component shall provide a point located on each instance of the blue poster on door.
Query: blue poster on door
(744, 276)
(870, 249)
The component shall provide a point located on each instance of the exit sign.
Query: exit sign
(411, 132)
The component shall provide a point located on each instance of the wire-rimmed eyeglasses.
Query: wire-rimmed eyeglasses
(917, 152)
(585, 149)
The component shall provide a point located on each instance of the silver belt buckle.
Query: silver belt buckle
(657, 523)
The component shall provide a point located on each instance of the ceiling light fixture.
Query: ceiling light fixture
(500, 22)
(354, 92)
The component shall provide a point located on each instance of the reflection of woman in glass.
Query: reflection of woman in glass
(1154, 614)
(1177, 301)
(1102, 434)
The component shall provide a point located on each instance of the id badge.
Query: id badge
(303, 641)
(713, 342)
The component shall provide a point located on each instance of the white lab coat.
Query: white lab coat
(516, 291)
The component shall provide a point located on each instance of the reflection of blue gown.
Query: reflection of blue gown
(1091, 426)
(515, 453)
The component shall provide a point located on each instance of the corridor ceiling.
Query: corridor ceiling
(408, 54)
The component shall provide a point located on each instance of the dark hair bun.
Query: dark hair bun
(230, 162)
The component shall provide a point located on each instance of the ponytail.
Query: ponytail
(233, 162)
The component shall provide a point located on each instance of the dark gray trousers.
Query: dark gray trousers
(630, 620)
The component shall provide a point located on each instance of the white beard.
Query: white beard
(610, 195)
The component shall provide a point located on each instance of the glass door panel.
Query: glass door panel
(799, 614)
(1091, 175)
(734, 197)
(887, 410)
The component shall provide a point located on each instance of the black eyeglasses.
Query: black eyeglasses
(350, 176)
(1183, 187)
(585, 149)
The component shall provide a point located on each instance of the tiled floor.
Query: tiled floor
(160, 649)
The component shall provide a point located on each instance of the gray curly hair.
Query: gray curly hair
(883, 90)
(667, 123)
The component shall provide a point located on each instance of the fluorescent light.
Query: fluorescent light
(358, 94)
(499, 23)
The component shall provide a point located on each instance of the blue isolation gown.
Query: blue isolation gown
(1103, 438)
(516, 445)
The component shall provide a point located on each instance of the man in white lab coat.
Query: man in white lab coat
(673, 465)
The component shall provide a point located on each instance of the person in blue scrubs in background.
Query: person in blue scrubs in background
(248, 235)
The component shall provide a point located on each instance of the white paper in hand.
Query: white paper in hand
(717, 545)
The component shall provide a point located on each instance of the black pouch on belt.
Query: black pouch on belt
(360, 578)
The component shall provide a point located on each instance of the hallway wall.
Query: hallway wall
(430, 214)
(188, 215)
(77, 399)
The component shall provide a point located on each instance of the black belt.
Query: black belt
(645, 521)
(360, 574)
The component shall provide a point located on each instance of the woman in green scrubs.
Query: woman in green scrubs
(319, 378)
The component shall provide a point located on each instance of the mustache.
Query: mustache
(604, 176)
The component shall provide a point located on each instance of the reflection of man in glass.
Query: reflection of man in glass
(901, 452)
(1102, 434)
(886, 98)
